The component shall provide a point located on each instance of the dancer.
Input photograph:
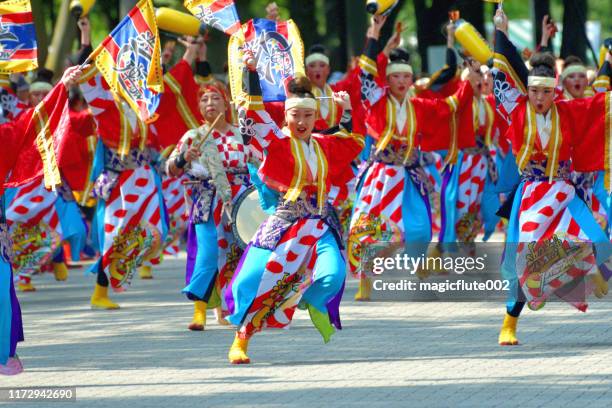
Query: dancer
(214, 158)
(294, 258)
(21, 138)
(574, 84)
(392, 203)
(178, 113)
(130, 220)
(549, 225)
(465, 181)
(40, 219)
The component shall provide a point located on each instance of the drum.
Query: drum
(247, 216)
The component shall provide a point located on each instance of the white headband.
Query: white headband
(297, 102)
(317, 57)
(41, 87)
(546, 82)
(573, 69)
(399, 68)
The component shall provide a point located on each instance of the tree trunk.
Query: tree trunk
(430, 25)
(574, 30)
(111, 15)
(125, 6)
(473, 12)
(540, 9)
(389, 27)
(336, 34)
(42, 40)
(63, 38)
(356, 27)
(304, 15)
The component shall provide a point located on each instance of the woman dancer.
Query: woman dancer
(465, 181)
(214, 158)
(130, 223)
(19, 139)
(392, 203)
(295, 255)
(553, 241)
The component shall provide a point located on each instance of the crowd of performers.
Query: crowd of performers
(376, 157)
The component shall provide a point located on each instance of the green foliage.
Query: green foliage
(104, 17)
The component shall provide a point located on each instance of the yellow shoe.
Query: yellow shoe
(100, 299)
(238, 351)
(364, 291)
(25, 287)
(219, 316)
(600, 285)
(145, 272)
(435, 252)
(423, 273)
(199, 316)
(507, 334)
(60, 270)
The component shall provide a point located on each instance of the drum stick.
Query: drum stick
(210, 130)
(324, 97)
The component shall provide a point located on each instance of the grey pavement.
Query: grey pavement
(388, 354)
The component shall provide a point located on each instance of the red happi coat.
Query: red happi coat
(352, 85)
(279, 169)
(78, 141)
(334, 113)
(118, 126)
(284, 168)
(585, 130)
(440, 124)
(178, 108)
(434, 118)
(31, 143)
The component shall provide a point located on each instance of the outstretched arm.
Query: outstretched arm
(254, 121)
(371, 92)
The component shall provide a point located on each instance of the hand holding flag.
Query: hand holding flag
(130, 60)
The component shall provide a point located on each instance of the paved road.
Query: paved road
(389, 354)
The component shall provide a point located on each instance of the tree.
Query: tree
(430, 22)
(574, 40)
(336, 32)
(304, 15)
(63, 37)
(38, 12)
(540, 9)
(125, 6)
(355, 25)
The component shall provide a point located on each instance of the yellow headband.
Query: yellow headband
(573, 69)
(317, 57)
(546, 82)
(297, 102)
(398, 68)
